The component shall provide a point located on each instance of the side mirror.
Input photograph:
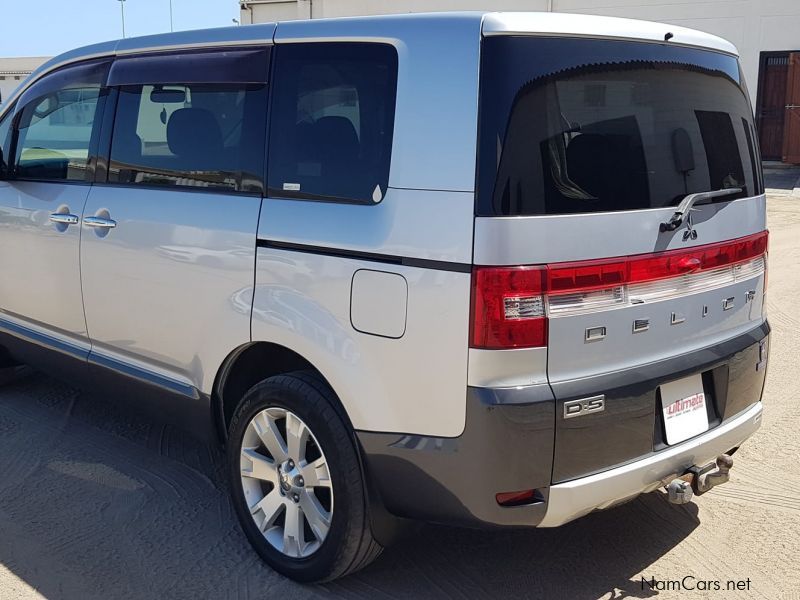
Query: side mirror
(46, 106)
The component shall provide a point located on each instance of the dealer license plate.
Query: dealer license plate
(683, 404)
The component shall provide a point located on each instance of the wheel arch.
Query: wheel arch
(246, 366)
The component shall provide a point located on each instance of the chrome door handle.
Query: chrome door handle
(64, 218)
(99, 222)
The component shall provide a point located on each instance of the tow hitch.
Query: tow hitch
(698, 480)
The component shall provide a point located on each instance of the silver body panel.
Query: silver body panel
(163, 289)
(409, 223)
(507, 368)
(572, 357)
(414, 383)
(545, 239)
(40, 258)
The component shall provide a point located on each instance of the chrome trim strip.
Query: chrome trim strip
(573, 499)
(38, 338)
(92, 357)
(144, 375)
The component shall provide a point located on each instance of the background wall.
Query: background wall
(13, 71)
(753, 25)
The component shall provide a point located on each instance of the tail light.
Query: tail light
(508, 307)
(511, 305)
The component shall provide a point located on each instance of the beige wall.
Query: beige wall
(13, 71)
(753, 25)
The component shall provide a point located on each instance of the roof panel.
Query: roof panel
(568, 24)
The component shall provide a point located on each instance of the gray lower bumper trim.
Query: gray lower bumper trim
(576, 498)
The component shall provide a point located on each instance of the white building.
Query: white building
(766, 32)
(14, 70)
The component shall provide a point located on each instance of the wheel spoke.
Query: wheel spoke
(281, 485)
(318, 518)
(296, 438)
(270, 506)
(258, 466)
(315, 474)
(293, 541)
(268, 432)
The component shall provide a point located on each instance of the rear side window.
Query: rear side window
(199, 135)
(332, 121)
(581, 126)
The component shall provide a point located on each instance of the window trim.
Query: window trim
(11, 116)
(17, 109)
(109, 119)
(281, 194)
(163, 68)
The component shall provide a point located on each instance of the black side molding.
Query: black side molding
(421, 263)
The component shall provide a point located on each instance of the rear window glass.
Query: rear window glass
(581, 126)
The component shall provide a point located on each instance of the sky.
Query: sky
(49, 27)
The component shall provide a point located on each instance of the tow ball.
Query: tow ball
(698, 480)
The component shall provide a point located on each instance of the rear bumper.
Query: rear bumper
(573, 499)
(516, 439)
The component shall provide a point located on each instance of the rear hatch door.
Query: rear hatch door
(587, 149)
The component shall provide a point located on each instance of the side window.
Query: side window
(57, 124)
(332, 121)
(206, 135)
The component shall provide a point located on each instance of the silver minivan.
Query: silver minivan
(484, 269)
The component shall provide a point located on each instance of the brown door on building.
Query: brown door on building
(772, 105)
(791, 125)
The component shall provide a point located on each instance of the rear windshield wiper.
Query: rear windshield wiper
(689, 201)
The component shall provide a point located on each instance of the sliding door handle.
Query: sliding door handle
(64, 218)
(99, 222)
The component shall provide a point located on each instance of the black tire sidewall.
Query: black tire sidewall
(335, 440)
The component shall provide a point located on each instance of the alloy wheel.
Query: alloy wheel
(286, 482)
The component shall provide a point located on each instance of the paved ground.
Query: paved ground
(782, 180)
(98, 502)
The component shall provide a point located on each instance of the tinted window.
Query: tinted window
(55, 134)
(194, 135)
(573, 126)
(332, 121)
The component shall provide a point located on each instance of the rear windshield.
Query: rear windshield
(581, 126)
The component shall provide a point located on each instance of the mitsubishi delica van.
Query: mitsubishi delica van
(488, 270)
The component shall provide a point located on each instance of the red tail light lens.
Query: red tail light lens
(508, 308)
(509, 304)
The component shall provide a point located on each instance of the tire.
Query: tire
(321, 476)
